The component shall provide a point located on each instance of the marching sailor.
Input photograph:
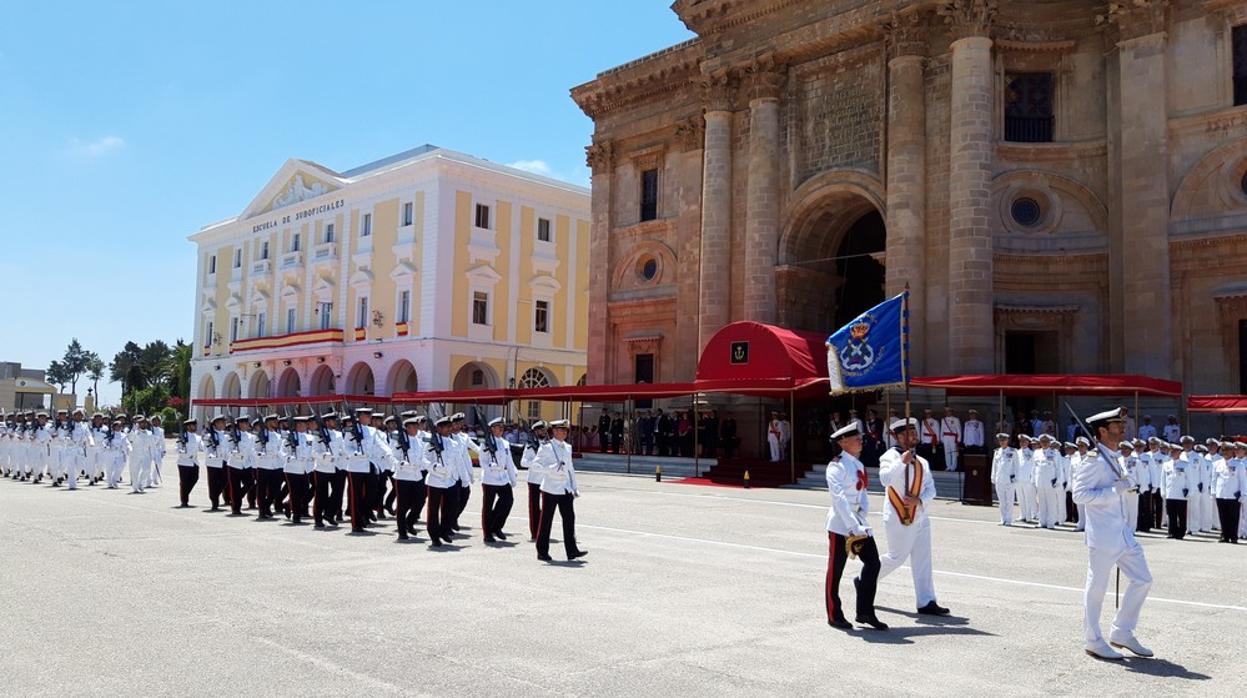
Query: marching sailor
(116, 450)
(910, 490)
(189, 446)
(269, 466)
(76, 437)
(498, 476)
(158, 450)
(846, 520)
(1102, 486)
(441, 481)
(297, 463)
(558, 490)
(534, 477)
(215, 453)
(409, 487)
(466, 446)
(1230, 483)
(330, 448)
(139, 437)
(95, 448)
(1004, 476)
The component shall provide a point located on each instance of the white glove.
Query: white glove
(1121, 486)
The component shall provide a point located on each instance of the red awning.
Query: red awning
(608, 393)
(1051, 383)
(494, 396)
(752, 355)
(1226, 404)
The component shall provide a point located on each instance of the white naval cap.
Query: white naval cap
(1187, 438)
(1025, 437)
(1084, 441)
(497, 422)
(1002, 436)
(1212, 442)
(1240, 444)
(846, 431)
(1106, 417)
(1227, 444)
(1045, 437)
(443, 421)
(558, 424)
(903, 424)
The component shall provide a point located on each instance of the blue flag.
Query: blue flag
(872, 351)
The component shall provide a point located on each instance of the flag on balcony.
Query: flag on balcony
(872, 351)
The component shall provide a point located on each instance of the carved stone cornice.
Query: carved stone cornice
(967, 18)
(691, 133)
(717, 89)
(1134, 19)
(765, 76)
(600, 157)
(905, 33)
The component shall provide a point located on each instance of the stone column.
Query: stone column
(762, 197)
(600, 156)
(714, 294)
(906, 173)
(1147, 324)
(970, 313)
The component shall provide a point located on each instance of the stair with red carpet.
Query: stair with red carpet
(761, 474)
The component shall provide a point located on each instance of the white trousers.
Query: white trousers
(73, 463)
(116, 464)
(138, 476)
(773, 441)
(1004, 494)
(950, 452)
(1082, 516)
(150, 472)
(1211, 521)
(1194, 510)
(95, 463)
(1026, 500)
(1132, 512)
(1100, 573)
(912, 543)
(1050, 504)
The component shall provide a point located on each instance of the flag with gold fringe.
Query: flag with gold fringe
(872, 351)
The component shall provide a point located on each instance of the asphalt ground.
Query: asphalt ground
(688, 590)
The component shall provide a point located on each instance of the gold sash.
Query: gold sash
(905, 512)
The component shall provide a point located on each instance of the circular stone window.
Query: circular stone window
(1026, 212)
(1242, 184)
(648, 268)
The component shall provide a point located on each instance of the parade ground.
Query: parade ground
(688, 590)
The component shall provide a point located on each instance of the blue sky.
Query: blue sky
(125, 127)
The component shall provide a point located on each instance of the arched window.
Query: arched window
(534, 378)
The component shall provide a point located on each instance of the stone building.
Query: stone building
(1061, 183)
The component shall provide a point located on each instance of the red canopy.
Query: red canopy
(493, 396)
(753, 358)
(1051, 383)
(277, 401)
(608, 393)
(1225, 404)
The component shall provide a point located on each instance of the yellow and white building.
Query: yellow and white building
(426, 270)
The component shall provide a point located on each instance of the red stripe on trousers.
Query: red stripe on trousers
(831, 573)
(350, 486)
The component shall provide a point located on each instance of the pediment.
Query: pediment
(295, 182)
(546, 284)
(483, 275)
(403, 270)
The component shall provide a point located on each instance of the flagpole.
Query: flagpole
(905, 350)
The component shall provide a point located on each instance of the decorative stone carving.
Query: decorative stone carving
(905, 34)
(1134, 19)
(969, 17)
(298, 191)
(717, 89)
(691, 132)
(600, 157)
(765, 76)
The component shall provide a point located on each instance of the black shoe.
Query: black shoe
(873, 622)
(545, 558)
(933, 609)
(319, 524)
(490, 539)
(401, 535)
(501, 535)
(455, 527)
(578, 553)
(435, 543)
(840, 624)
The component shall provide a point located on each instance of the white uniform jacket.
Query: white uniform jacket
(1229, 478)
(555, 460)
(498, 468)
(329, 455)
(467, 444)
(846, 483)
(1104, 506)
(529, 458)
(1176, 484)
(892, 473)
(298, 456)
(442, 473)
(411, 460)
(1004, 465)
(214, 456)
(188, 452)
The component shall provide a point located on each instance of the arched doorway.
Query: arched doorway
(259, 385)
(207, 391)
(402, 378)
(476, 375)
(359, 381)
(322, 381)
(535, 377)
(831, 257)
(289, 384)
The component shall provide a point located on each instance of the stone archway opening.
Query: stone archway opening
(322, 381)
(402, 378)
(259, 385)
(360, 380)
(289, 385)
(232, 387)
(832, 263)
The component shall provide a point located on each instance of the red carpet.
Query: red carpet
(708, 482)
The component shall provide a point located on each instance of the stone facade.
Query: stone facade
(1118, 239)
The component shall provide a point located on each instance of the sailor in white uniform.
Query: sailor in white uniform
(1228, 487)
(1101, 485)
(909, 490)
(1025, 490)
(846, 521)
(1047, 480)
(558, 491)
(533, 478)
(189, 447)
(498, 477)
(1004, 476)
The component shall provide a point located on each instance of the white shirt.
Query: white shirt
(466, 475)
(441, 471)
(1230, 478)
(1047, 469)
(1147, 431)
(526, 460)
(950, 429)
(1004, 465)
(299, 459)
(1176, 483)
(498, 468)
(846, 483)
(973, 430)
(188, 452)
(1104, 506)
(411, 460)
(892, 473)
(555, 460)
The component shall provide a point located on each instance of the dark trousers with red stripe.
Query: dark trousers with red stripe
(297, 484)
(188, 475)
(321, 499)
(250, 480)
(837, 556)
(216, 485)
(534, 510)
(461, 502)
(495, 508)
(409, 497)
(567, 512)
(237, 487)
(357, 491)
(337, 491)
(441, 506)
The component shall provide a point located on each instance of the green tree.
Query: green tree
(122, 368)
(74, 363)
(95, 371)
(181, 373)
(57, 375)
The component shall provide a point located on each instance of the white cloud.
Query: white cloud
(540, 167)
(97, 148)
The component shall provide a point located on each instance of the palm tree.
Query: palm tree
(95, 372)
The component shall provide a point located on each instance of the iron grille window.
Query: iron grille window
(541, 321)
(1239, 37)
(543, 229)
(480, 308)
(649, 195)
(1028, 108)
